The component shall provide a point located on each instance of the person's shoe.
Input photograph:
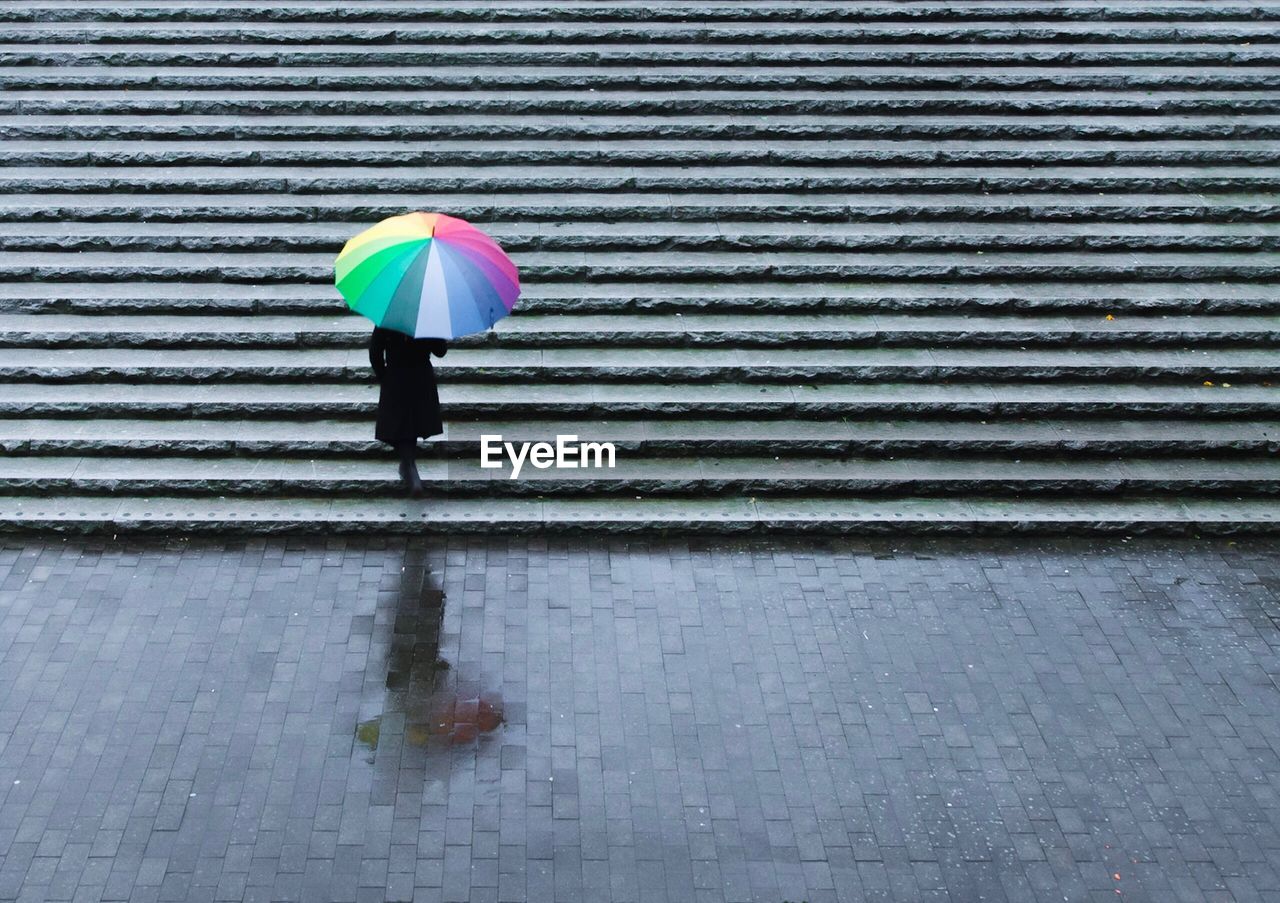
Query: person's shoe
(404, 475)
(415, 482)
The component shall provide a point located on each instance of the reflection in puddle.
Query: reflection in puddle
(450, 722)
(423, 698)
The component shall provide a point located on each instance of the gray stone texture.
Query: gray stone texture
(812, 265)
(531, 719)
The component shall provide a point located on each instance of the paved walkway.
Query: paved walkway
(511, 720)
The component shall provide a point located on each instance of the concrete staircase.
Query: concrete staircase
(809, 265)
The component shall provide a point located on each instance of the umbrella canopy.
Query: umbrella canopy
(427, 275)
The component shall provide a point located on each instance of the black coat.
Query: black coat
(408, 403)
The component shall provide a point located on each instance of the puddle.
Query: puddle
(425, 701)
(446, 722)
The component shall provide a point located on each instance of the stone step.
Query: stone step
(681, 435)
(661, 266)
(653, 329)
(706, 35)
(117, 11)
(1048, 53)
(650, 364)
(843, 515)
(385, 180)
(639, 78)
(669, 476)
(865, 252)
(673, 236)
(551, 296)
(772, 126)
(460, 400)
(358, 209)
(1093, 151)
(903, 99)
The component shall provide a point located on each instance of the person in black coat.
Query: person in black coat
(408, 403)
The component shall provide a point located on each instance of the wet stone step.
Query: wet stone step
(285, 401)
(648, 364)
(1093, 151)
(461, 10)
(319, 438)
(660, 266)
(707, 34)
(721, 178)
(670, 237)
(666, 476)
(646, 206)
(1049, 54)
(637, 78)
(673, 102)
(1001, 126)
(551, 296)
(666, 330)
(851, 515)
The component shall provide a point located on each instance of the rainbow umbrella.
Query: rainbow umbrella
(427, 275)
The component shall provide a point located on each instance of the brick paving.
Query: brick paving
(520, 719)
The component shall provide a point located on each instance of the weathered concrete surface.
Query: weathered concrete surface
(811, 266)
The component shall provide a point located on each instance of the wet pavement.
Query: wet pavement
(517, 719)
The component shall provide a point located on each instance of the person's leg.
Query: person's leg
(405, 451)
(408, 449)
